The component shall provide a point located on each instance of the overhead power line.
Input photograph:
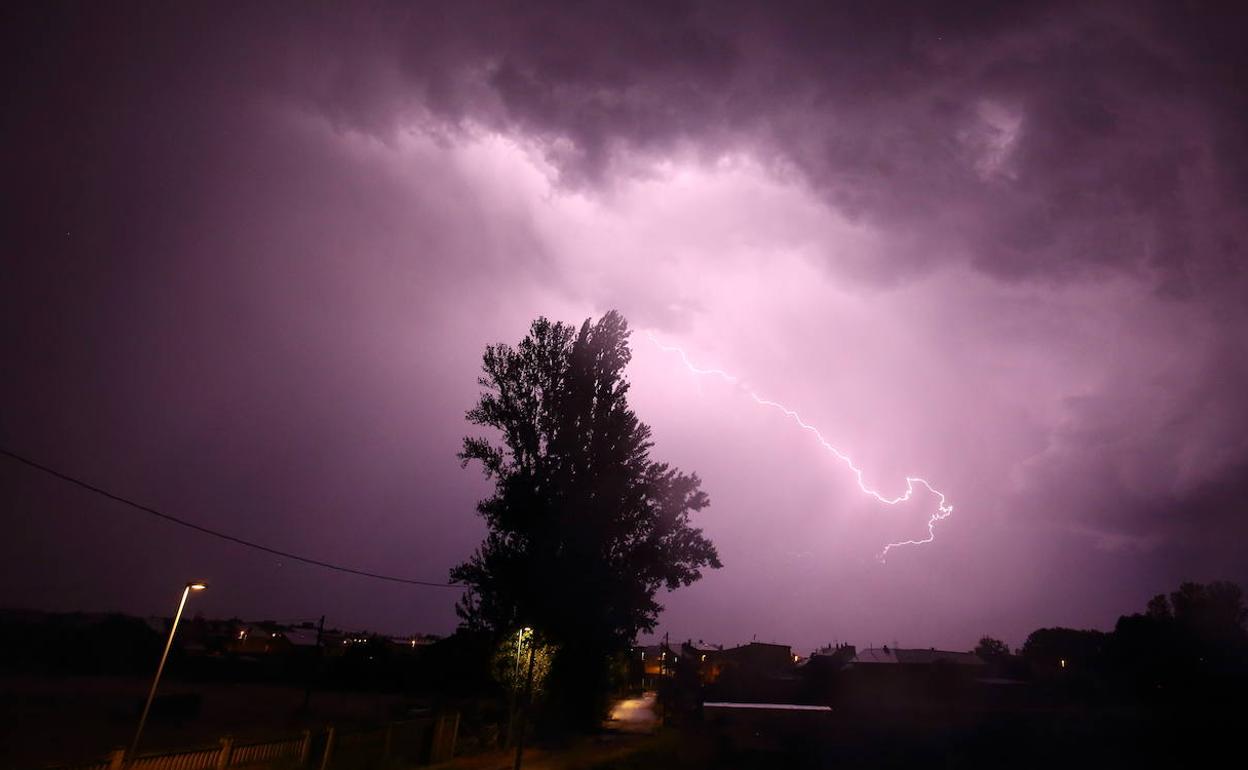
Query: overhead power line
(215, 533)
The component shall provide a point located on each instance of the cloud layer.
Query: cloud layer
(258, 251)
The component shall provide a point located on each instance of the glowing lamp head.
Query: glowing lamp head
(197, 585)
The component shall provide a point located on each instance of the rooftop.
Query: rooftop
(883, 655)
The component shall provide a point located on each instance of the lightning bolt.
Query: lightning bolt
(943, 508)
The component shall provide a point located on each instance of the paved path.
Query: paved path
(606, 749)
(634, 715)
(629, 730)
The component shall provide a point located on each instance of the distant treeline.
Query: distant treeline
(77, 643)
(38, 643)
(1193, 638)
(1188, 641)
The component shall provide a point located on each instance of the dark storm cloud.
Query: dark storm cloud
(1042, 140)
(1117, 129)
(1052, 143)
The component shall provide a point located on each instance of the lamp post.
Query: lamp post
(528, 700)
(515, 686)
(194, 585)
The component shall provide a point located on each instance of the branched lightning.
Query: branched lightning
(943, 508)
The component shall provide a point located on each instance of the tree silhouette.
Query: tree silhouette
(1079, 650)
(1159, 609)
(1209, 625)
(991, 649)
(1216, 609)
(1182, 642)
(583, 527)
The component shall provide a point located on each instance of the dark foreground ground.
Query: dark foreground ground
(1059, 739)
(49, 720)
(1056, 739)
(53, 721)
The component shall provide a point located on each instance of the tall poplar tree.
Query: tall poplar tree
(584, 527)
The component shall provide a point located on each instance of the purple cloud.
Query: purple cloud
(255, 255)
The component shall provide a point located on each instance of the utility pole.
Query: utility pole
(315, 668)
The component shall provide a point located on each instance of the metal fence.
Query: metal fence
(410, 742)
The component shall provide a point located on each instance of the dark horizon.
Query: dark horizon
(254, 255)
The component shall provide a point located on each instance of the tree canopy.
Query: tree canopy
(990, 649)
(584, 527)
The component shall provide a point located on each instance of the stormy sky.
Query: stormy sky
(252, 254)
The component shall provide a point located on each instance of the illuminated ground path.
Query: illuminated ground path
(633, 715)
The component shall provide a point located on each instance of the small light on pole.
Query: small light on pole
(514, 704)
(193, 585)
(528, 697)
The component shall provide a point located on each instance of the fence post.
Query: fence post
(223, 756)
(329, 747)
(117, 758)
(385, 749)
(436, 752)
(305, 747)
(445, 731)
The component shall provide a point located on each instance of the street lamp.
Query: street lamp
(528, 695)
(194, 585)
(514, 704)
(519, 645)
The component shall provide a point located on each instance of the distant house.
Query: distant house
(892, 677)
(301, 638)
(705, 660)
(651, 663)
(820, 671)
(833, 656)
(755, 657)
(410, 643)
(756, 671)
(203, 636)
(884, 656)
(260, 640)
